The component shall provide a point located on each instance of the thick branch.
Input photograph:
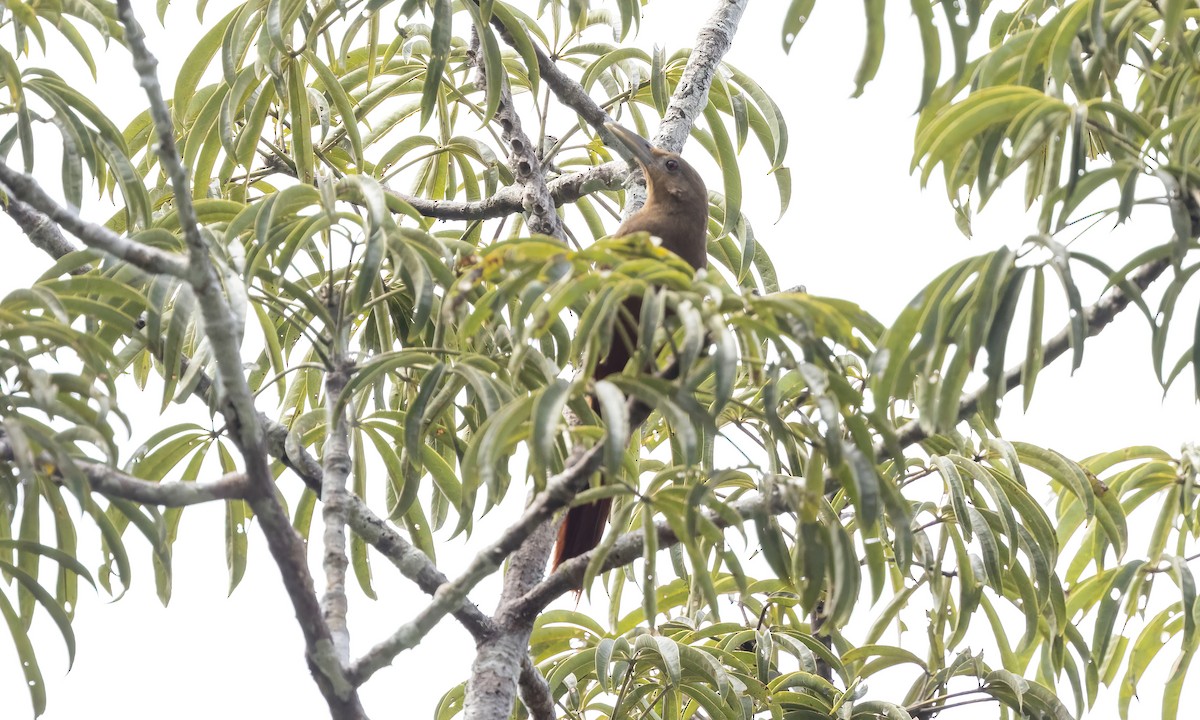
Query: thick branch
(691, 94)
(334, 510)
(508, 200)
(43, 232)
(496, 670)
(410, 561)
(28, 192)
(536, 203)
(107, 481)
(285, 544)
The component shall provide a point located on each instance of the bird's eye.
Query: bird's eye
(672, 165)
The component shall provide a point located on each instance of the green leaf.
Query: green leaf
(547, 416)
(794, 20)
(616, 424)
(301, 133)
(194, 67)
(493, 65)
(931, 49)
(731, 174)
(439, 42)
(873, 53)
(342, 102)
(24, 648)
(1034, 352)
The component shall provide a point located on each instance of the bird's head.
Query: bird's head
(668, 176)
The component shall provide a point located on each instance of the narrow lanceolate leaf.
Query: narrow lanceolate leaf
(493, 63)
(48, 603)
(794, 21)
(658, 80)
(193, 69)
(521, 42)
(24, 648)
(1196, 356)
(302, 148)
(342, 102)
(649, 557)
(439, 55)
(725, 363)
(414, 422)
(374, 246)
(1034, 351)
(616, 422)
(547, 414)
(1117, 583)
(730, 173)
(783, 181)
(873, 52)
(931, 48)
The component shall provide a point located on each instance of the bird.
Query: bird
(676, 212)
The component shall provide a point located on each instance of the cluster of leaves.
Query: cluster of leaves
(64, 342)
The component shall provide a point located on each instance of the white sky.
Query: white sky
(859, 227)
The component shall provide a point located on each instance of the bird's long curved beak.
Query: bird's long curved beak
(641, 148)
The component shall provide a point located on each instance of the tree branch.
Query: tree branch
(334, 507)
(508, 200)
(691, 94)
(107, 481)
(495, 672)
(114, 483)
(238, 402)
(536, 203)
(29, 193)
(43, 232)
(410, 561)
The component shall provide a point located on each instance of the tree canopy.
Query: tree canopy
(364, 244)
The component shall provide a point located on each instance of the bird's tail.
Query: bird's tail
(581, 530)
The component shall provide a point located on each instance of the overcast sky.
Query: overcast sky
(859, 227)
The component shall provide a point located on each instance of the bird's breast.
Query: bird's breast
(681, 232)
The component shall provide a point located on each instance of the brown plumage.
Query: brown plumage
(676, 211)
